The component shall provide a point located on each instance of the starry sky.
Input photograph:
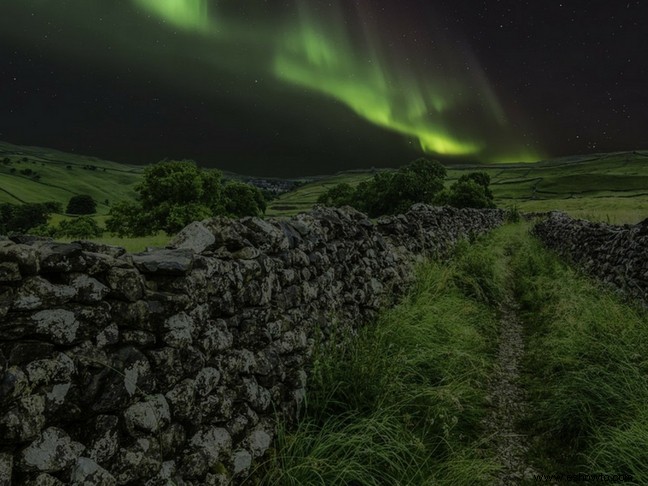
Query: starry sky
(303, 87)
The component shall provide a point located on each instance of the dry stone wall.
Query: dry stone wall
(618, 255)
(171, 366)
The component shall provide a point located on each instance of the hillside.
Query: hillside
(62, 175)
(610, 187)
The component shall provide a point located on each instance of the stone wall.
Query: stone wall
(170, 366)
(618, 255)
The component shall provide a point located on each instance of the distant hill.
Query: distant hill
(37, 175)
(611, 186)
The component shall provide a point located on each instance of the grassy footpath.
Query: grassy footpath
(587, 370)
(405, 402)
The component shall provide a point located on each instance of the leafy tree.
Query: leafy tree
(338, 195)
(126, 218)
(469, 194)
(20, 218)
(81, 204)
(81, 227)
(391, 192)
(243, 199)
(171, 195)
(481, 178)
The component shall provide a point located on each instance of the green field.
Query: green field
(62, 176)
(607, 187)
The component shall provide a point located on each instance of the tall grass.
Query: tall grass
(588, 363)
(403, 402)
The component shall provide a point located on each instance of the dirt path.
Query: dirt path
(508, 400)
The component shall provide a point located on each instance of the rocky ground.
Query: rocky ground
(511, 446)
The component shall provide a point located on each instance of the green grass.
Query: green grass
(305, 197)
(109, 182)
(603, 187)
(587, 370)
(132, 245)
(403, 402)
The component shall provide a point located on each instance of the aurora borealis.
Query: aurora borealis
(301, 86)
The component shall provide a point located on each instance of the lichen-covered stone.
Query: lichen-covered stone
(103, 439)
(51, 452)
(24, 420)
(164, 262)
(213, 442)
(13, 382)
(126, 284)
(87, 472)
(88, 290)
(169, 367)
(196, 237)
(258, 442)
(6, 468)
(60, 325)
(150, 415)
(9, 272)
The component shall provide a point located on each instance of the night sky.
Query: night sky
(312, 87)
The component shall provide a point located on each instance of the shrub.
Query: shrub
(81, 204)
(81, 227)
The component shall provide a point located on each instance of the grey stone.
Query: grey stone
(141, 460)
(195, 237)
(6, 468)
(165, 262)
(59, 325)
(51, 452)
(128, 375)
(44, 480)
(61, 258)
(89, 290)
(103, 439)
(55, 370)
(241, 461)
(151, 415)
(212, 442)
(25, 420)
(36, 293)
(25, 256)
(125, 283)
(180, 329)
(206, 380)
(12, 384)
(87, 472)
(9, 272)
(258, 442)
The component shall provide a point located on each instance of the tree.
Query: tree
(171, 195)
(338, 195)
(20, 218)
(391, 192)
(81, 227)
(81, 204)
(481, 178)
(243, 199)
(469, 194)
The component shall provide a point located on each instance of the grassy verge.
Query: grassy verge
(403, 403)
(587, 365)
(132, 245)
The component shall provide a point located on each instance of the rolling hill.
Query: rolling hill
(610, 187)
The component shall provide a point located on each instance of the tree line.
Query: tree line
(173, 194)
(422, 181)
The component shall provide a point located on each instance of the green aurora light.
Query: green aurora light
(317, 53)
(438, 98)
